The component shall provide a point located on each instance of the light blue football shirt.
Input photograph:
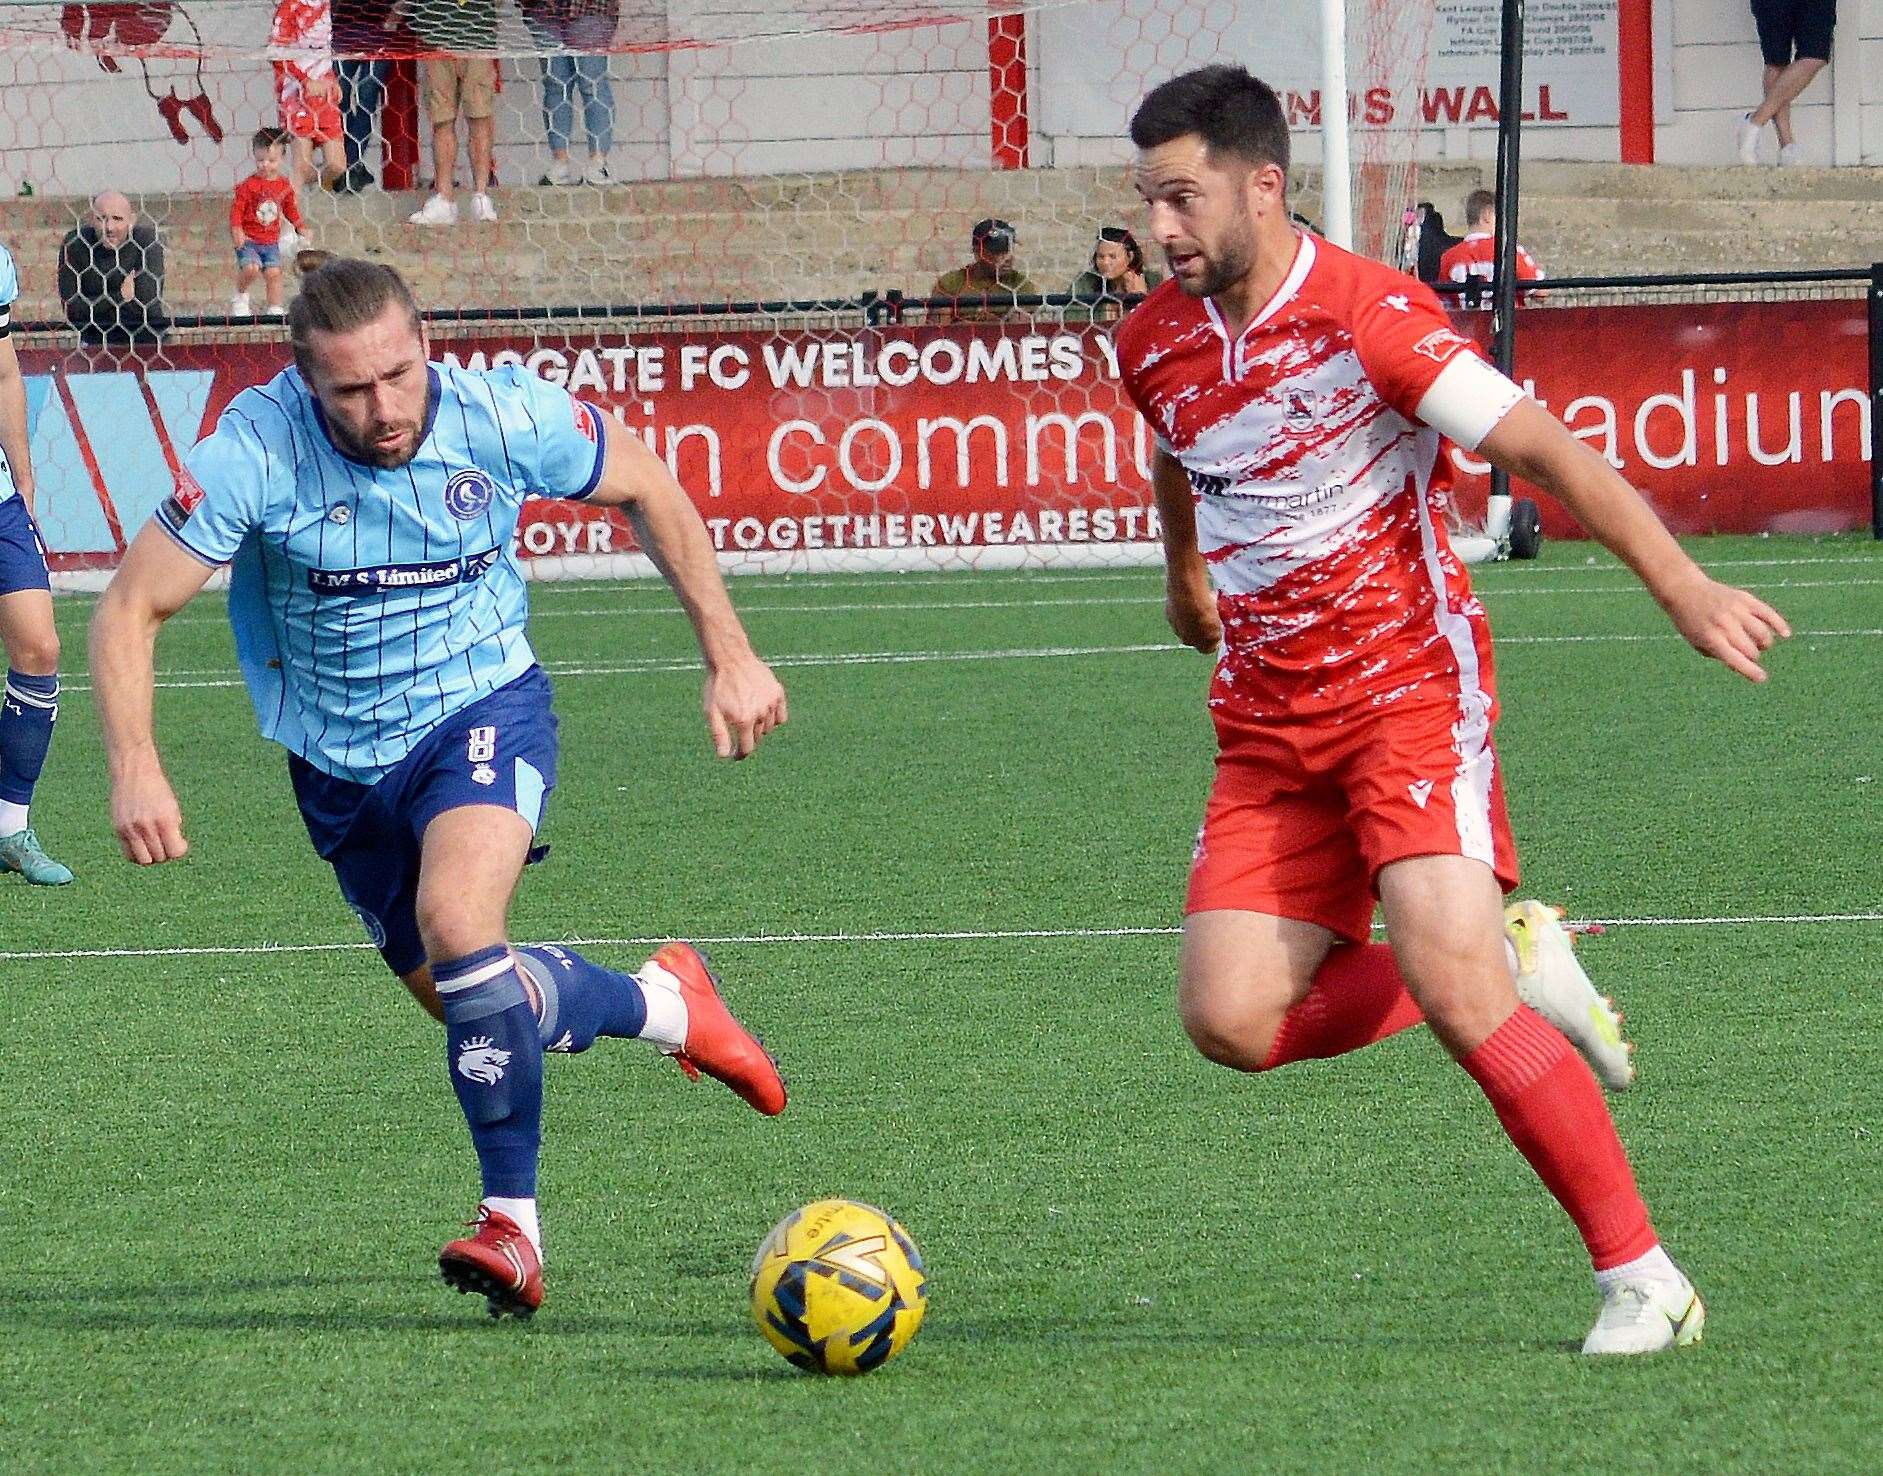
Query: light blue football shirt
(369, 605)
(9, 290)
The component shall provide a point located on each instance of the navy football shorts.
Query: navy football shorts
(22, 555)
(501, 750)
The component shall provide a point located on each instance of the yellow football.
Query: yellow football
(838, 1287)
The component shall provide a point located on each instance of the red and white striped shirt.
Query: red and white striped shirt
(1319, 487)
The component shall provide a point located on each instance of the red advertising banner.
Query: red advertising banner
(1741, 417)
(804, 447)
(880, 442)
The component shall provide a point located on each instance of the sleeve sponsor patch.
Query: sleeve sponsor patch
(185, 497)
(585, 420)
(1440, 344)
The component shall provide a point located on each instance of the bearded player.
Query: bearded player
(1300, 396)
(366, 501)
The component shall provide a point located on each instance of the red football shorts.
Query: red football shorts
(1304, 814)
(306, 117)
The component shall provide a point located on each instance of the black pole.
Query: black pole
(1504, 280)
(1876, 398)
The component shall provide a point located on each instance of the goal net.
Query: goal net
(740, 225)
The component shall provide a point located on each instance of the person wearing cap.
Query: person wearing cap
(1117, 273)
(992, 274)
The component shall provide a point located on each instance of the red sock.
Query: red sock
(1357, 998)
(1548, 1101)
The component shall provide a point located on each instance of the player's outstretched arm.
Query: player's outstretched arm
(155, 580)
(1731, 625)
(1189, 600)
(743, 700)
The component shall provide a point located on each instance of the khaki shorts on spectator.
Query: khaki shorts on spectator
(460, 85)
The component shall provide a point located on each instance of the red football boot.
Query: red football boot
(716, 1043)
(499, 1262)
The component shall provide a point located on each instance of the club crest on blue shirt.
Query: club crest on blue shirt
(468, 494)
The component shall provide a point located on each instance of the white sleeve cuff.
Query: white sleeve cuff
(1467, 400)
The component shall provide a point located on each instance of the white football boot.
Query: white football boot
(1553, 984)
(1648, 1315)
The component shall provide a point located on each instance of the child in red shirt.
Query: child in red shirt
(261, 202)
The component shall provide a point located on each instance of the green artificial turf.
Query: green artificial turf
(231, 1169)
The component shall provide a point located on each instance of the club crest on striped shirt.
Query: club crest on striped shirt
(468, 493)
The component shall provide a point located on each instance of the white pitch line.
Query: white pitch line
(1577, 640)
(543, 596)
(657, 665)
(964, 935)
(867, 607)
(1138, 571)
(660, 665)
(1098, 601)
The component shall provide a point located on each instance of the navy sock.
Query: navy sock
(30, 706)
(495, 1058)
(581, 999)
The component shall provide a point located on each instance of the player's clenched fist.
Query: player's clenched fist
(1192, 615)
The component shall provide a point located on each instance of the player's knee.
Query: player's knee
(35, 653)
(450, 928)
(1462, 995)
(1239, 1035)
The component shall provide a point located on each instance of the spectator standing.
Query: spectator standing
(111, 275)
(262, 202)
(301, 44)
(1117, 272)
(991, 275)
(574, 36)
(1474, 259)
(1795, 38)
(1434, 241)
(459, 79)
(365, 34)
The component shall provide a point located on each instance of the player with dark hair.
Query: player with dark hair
(366, 502)
(1300, 396)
